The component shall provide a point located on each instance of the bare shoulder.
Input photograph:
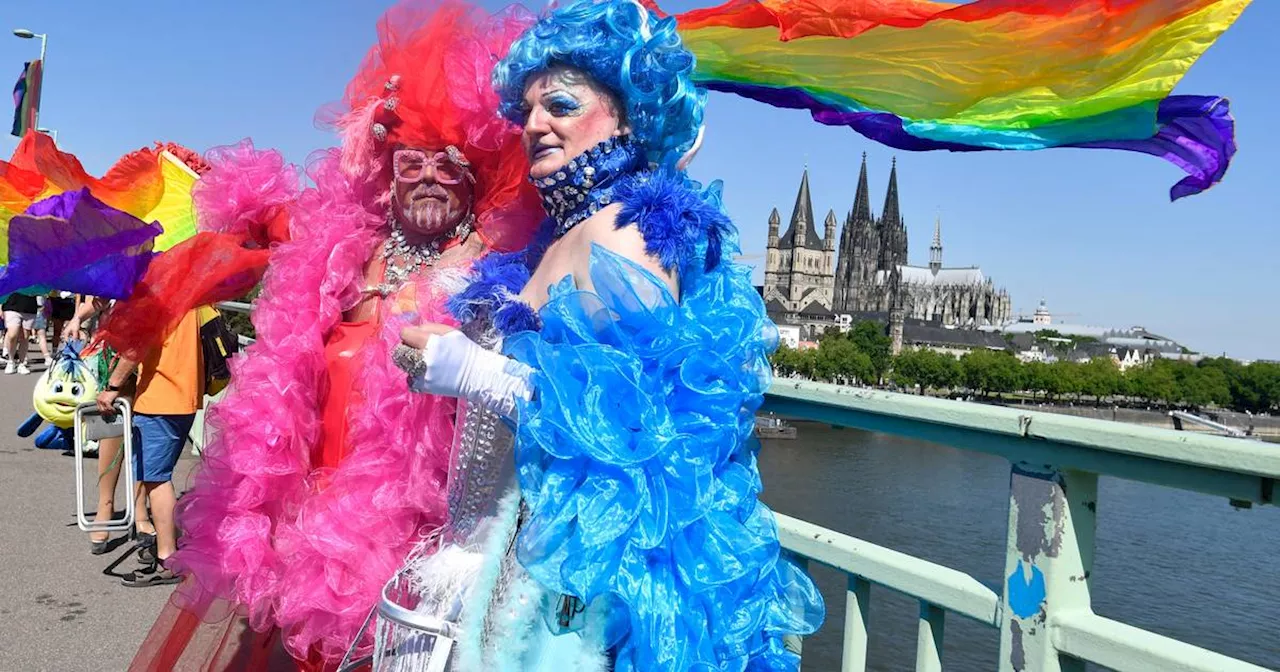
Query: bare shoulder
(602, 229)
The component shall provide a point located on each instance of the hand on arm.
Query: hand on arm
(453, 365)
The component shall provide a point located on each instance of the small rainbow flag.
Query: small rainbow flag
(986, 75)
(26, 97)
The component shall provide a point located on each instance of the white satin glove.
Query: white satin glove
(454, 366)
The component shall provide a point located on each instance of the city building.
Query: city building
(813, 283)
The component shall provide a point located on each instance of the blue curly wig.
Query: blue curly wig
(652, 77)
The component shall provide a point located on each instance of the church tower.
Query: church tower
(893, 236)
(829, 259)
(897, 311)
(859, 249)
(803, 270)
(935, 249)
(776, 278)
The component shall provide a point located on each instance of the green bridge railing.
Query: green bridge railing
(1044, 615)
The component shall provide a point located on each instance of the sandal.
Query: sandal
(153, 575)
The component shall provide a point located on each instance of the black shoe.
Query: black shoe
(99, 547)
(144, 539)
(153, 575)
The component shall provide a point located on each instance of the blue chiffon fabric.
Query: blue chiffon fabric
(637, 459)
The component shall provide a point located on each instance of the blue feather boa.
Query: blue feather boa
(683, 225)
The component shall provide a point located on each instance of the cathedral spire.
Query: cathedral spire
(893, 237)
(935, 250)
(890, 214)
(803, 231)
(862, 199)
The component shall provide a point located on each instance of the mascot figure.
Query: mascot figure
(68, 383)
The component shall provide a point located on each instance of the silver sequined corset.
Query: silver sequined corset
(482, 467)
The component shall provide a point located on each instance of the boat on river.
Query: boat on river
(773, 427)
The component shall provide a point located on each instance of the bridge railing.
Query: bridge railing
(1043, 613)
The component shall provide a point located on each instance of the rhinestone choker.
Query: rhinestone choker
(587, 182)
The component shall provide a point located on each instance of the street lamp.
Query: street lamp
(27, 35)
(44, 41)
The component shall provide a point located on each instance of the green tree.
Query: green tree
(1100, 377)
(909, 368)
(988, 371)
(1257, 388)
(1066, 378)
(1154, 381)
(1200, 386)
(870, 339)
(1036, 377)
(947, 375)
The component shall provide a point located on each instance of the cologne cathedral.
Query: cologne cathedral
(811, 281)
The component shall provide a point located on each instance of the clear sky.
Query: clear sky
(1091, 232)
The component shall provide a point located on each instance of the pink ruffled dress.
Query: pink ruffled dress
(322, 469)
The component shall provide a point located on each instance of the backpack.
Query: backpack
(218, 344)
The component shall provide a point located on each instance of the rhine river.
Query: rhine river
(1181, 564)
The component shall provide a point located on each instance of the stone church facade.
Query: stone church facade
(811, 281)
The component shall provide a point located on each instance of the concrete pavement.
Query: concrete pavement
(61, 609)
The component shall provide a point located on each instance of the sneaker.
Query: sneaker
(11, 367)
(23, 370)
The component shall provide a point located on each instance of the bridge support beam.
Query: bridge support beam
(1048, 561)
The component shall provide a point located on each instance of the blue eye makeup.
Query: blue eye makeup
(562, 105)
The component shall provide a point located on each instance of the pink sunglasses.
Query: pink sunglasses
(449, 166)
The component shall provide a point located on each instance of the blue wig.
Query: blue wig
(624, 48)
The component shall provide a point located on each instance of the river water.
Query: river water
(1181, 564)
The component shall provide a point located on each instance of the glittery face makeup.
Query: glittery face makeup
(432, 192)
(565, 114)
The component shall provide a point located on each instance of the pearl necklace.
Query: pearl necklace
(404, 259)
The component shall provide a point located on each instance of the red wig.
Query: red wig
(426, 84)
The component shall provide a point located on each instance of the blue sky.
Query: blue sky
(1091, 232)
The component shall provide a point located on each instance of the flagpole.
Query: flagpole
(44, 45)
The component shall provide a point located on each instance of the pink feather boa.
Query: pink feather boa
(302, 550)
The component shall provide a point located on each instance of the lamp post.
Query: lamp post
(27, 35)
(44, 43)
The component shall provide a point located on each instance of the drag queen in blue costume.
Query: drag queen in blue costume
(634, 356)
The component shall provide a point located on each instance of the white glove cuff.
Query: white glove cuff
(454, 365)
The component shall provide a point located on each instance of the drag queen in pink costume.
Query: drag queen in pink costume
(323, 470)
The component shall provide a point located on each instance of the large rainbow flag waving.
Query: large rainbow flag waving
(987, 75)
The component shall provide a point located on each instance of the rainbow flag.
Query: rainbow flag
(26, 97)
(176, 211)
(987, 75)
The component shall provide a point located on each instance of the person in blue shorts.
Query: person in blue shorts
(170, 389)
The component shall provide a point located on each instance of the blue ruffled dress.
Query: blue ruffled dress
(636, 456)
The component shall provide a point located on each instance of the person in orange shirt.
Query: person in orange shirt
(170, 389)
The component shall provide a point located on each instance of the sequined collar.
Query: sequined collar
(587, 183)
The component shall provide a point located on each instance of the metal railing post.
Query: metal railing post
(857, 612)
(929, 638)
(1048, 560)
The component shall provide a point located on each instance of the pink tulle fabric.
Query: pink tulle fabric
(293, 547)
(301, 549)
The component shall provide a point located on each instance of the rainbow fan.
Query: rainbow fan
(986, 75)
(61, 228)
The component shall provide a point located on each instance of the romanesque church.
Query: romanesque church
(809, 281)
